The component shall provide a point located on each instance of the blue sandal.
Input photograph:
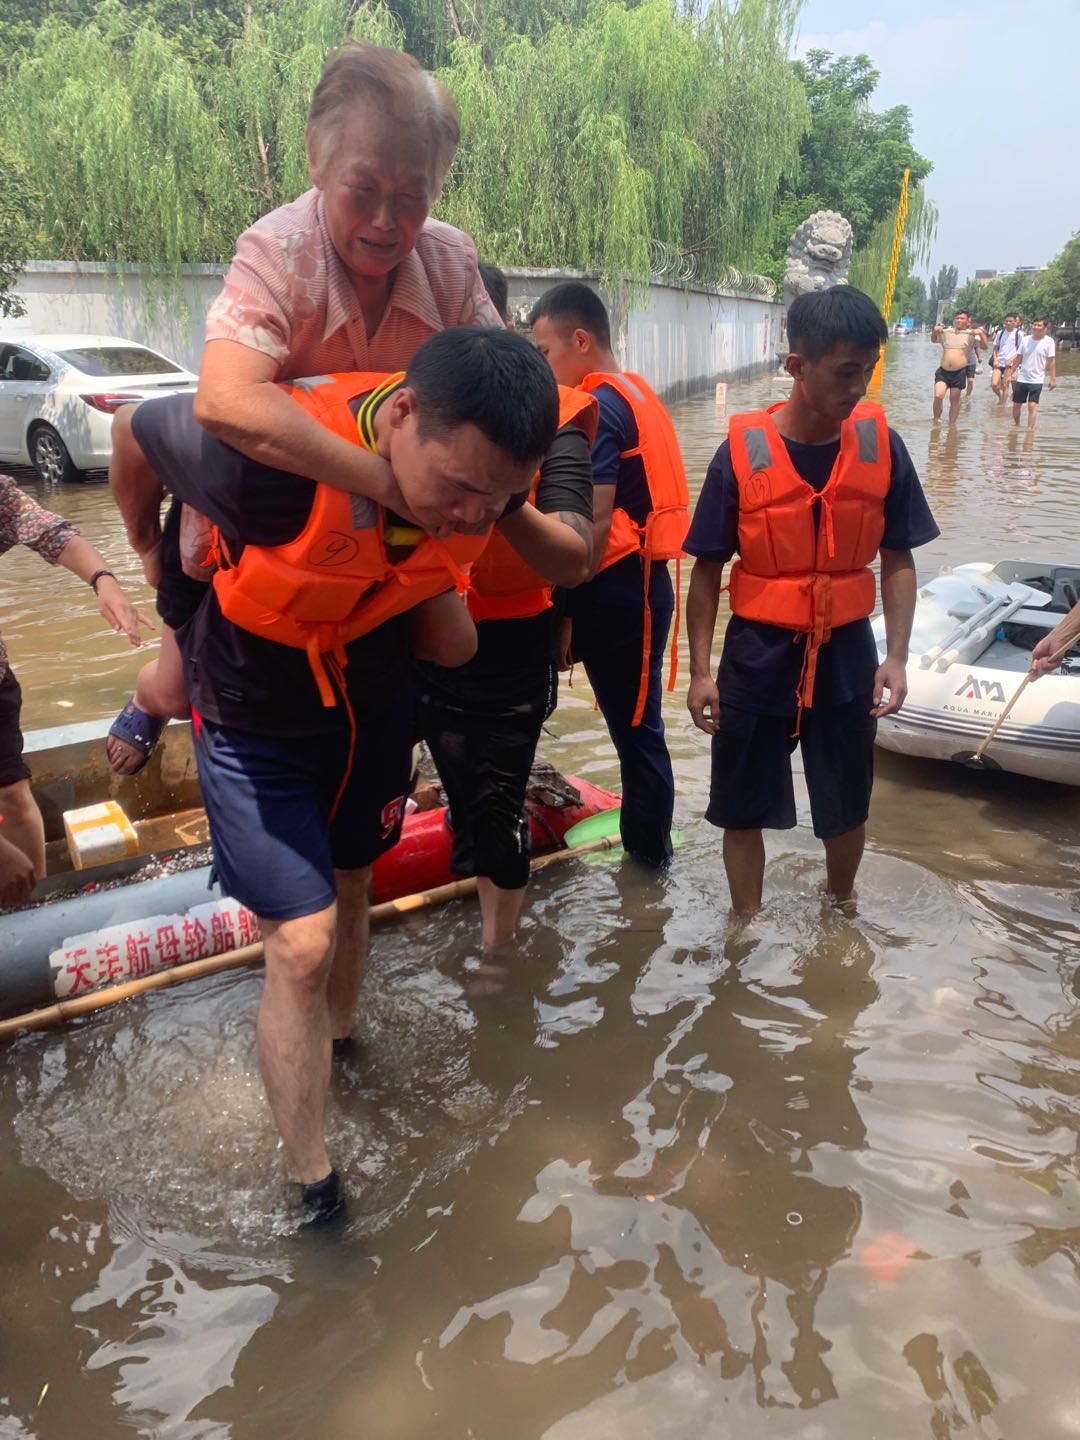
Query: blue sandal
(139, 730)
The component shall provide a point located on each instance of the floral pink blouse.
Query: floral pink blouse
(288, 295)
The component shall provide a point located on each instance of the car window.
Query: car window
(19, 364)
(118, 360)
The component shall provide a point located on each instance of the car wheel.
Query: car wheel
(49, 456)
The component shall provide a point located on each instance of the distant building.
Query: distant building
(983, 277)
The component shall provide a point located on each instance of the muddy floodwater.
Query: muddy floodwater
(675, 1182)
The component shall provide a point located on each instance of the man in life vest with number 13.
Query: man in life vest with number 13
(808, 494)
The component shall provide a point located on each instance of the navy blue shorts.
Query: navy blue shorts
(752, 787)
(270, 798)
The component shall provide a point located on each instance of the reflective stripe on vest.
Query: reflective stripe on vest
(789, 572)
(335, 581)
(503, 586)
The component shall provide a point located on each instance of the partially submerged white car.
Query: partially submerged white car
(58, 394)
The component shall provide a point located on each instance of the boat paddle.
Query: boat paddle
(977, 758)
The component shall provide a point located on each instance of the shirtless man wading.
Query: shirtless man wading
(951, 375)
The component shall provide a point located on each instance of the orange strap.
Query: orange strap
(646, 649)
(820, 587)
(338, 669)
(673, 669)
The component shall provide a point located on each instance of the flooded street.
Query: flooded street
(817, 1179)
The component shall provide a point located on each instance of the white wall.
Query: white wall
(681, 340)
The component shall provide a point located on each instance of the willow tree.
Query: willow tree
(646, 123)
(260, 98)
(130, 163)
(870, 260)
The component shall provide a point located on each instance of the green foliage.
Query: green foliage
(870, 263)
(1053, 293)
(942, 287)
(1057, 288)
(852, 157)
(667, 127)
(20, 212)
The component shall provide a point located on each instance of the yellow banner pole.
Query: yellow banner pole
(894, 265)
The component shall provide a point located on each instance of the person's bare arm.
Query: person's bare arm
(558, 546)
(138, 494)
(1063, 633)
(702, 602)
(603, 509)
(239, 403)
(1053, 372)
(935, 333)
(898, 590)
(80, 557)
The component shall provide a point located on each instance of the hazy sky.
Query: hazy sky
(992, 106)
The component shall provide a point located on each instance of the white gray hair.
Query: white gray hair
(395, 82)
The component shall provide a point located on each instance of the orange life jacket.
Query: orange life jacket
(335, 582)
(503, 586)
(790, 573)
(662, 535)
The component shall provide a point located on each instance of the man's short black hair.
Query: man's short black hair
(1012, 315)
(962, 312)
(577, 307)
(820, 321)
(1039, 320)
(496, 285)
(493, 379)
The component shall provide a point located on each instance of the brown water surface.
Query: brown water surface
(814, 1179)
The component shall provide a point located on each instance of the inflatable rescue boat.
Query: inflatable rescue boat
(974, 631)
(157, 907)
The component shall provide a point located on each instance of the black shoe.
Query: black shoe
(323, 1201)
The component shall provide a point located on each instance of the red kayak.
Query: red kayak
(421, 858)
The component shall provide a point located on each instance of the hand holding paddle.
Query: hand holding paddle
(1044, 665)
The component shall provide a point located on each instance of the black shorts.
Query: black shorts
(752, 788)
(969, 371)
(484, 758)
(954, 379)
(287, 811)
(13, 767)
(1024, 394)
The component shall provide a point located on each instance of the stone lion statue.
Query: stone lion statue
(818, 257)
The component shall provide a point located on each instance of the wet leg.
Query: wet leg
(843, 855)
(955, 396)
(1033, 415)
(350, 948)
(744, 862)
(939, 395)
(499, 910)
(23, 825)
(293, 1036)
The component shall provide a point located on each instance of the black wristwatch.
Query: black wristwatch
(98, 575)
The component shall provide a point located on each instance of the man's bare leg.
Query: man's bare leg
(350, 948)
(23, 824)
(499, 910)
(744, 861)
(1016, 412)
(955, 396)
(1033, 415)
(293, 1036)
(843, 855)
(939, 395)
